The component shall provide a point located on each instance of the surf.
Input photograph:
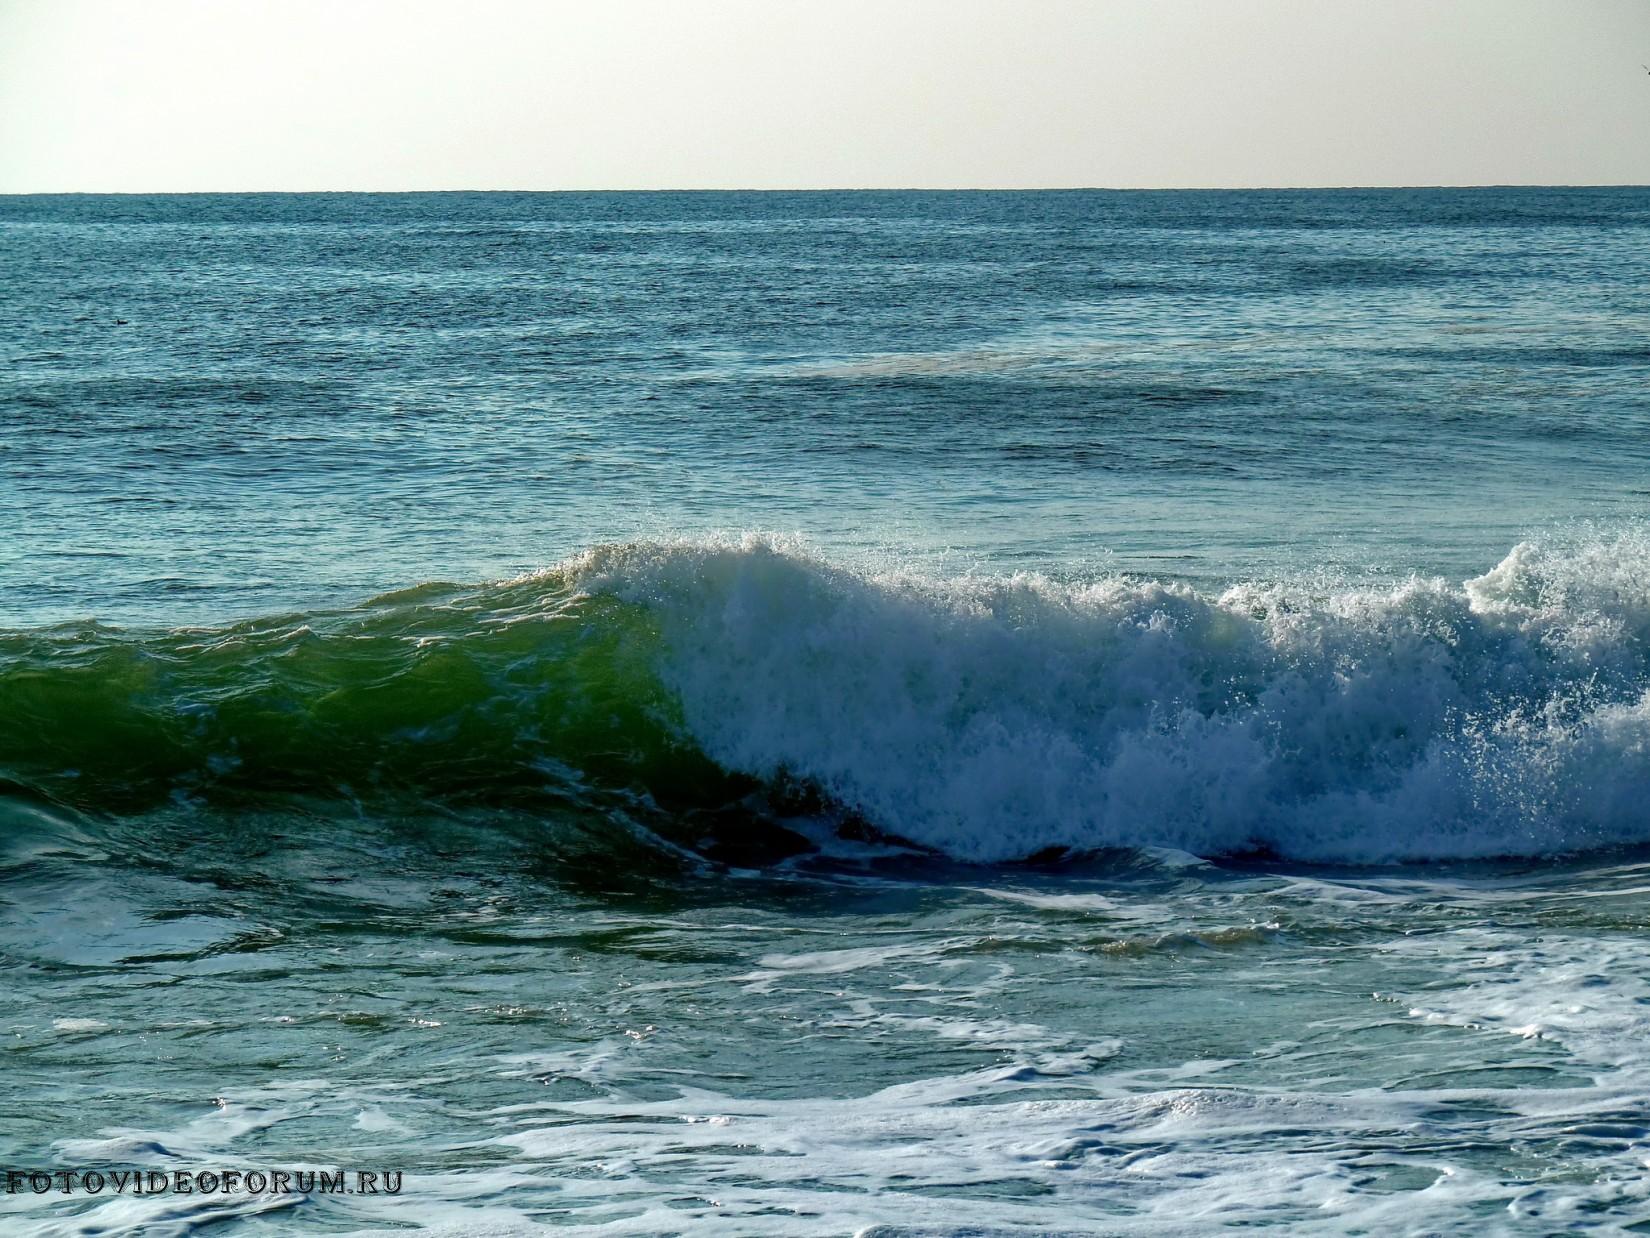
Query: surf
(986, 718)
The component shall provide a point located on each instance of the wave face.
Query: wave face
(987, 719)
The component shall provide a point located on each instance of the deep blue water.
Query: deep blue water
(221, 406)
(878, 713)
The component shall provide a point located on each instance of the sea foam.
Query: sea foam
(996, 718)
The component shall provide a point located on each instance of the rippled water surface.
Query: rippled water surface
(830, 713)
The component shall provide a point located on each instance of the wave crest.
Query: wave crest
(997, 718)
(986, 718)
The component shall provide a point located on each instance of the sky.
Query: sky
(227, 95)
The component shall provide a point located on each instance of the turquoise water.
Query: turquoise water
(829, 713)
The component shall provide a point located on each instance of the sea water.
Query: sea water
(883, 713)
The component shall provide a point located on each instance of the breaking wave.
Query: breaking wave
(987, 719)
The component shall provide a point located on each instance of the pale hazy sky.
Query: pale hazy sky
(432, 94)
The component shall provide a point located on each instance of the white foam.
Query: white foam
(994, 718)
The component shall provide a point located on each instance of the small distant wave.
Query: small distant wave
(988, 719)
(962, 362)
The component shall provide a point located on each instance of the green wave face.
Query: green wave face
(492, 694)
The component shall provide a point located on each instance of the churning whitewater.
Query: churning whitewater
(984, 718)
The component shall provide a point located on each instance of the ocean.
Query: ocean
(826, 713)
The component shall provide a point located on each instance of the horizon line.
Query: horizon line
(182, 193)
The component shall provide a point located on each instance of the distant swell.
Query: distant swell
(988, 719)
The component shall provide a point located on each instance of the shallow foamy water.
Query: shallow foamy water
(879, 1043)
